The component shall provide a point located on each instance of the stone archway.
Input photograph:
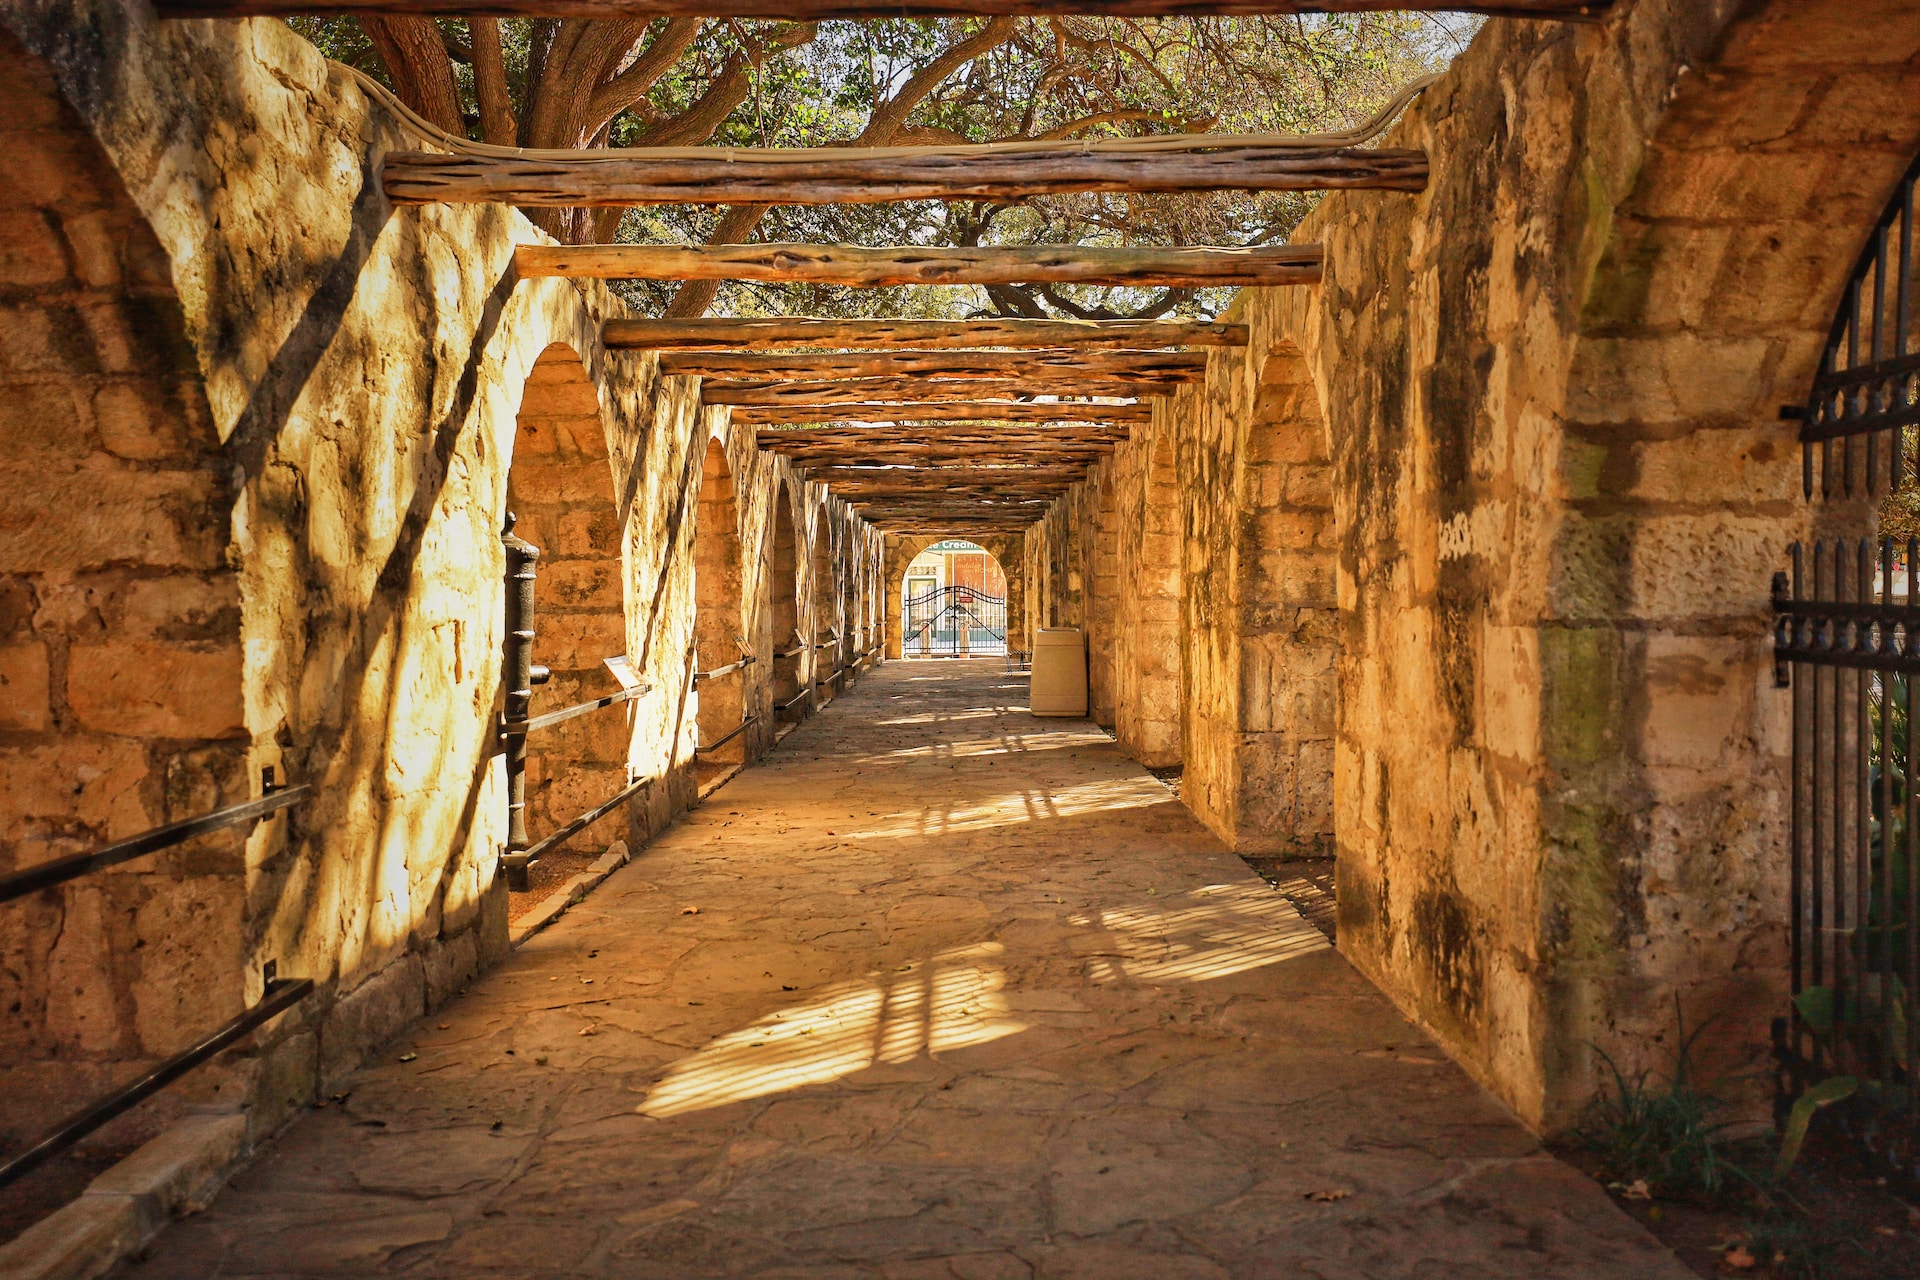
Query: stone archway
(823, 591)
(1152, 732)
(1280, 789)
(560, 491)
(719, 704)
(123, 683)
(783, 600)
(1562, 485)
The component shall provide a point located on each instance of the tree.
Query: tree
(679, 82)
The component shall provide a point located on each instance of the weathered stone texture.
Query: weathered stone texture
(267, 429)
(1533, 709)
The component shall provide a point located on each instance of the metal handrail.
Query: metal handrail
(280, 995)
(728, 736)
(515, 863)
(508, 727)
(794, 652)
(21, 883)
(729, 669)
(801, 696)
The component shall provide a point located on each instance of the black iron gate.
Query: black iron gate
(1847, 640)
(955, 622)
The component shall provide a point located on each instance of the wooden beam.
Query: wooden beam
(1068, 365)
(716, 333)
(884, 175)
(874, 268)
(924, 411)
(822, 10)
(854, 391)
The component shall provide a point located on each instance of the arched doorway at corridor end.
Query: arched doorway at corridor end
(953, 602)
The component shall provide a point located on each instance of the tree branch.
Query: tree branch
(490, 82)
(416, 61)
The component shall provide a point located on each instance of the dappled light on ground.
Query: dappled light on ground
(1105, 796)
(1212, 932)
(944, 1004)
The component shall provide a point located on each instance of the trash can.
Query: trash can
(1059, 686)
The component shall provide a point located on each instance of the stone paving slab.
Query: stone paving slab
(938, 992)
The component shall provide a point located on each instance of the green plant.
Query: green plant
(1660, 1131)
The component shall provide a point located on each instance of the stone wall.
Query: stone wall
(1546, 397)
(273, 429)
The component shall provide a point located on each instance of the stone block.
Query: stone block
(189, 936)
(96, 239)
(1699, 698)
(451, 963)
(83, 1017)
(82, 1241)
(180, 1171)
(157, 690)
(370, 1015)
(45, 425)
(25, 694)
(31, 255)
(561, 483)
(578, 641)
(175, 608)
(88, 520)
(93, 783)
(586, 585)
(141, 419)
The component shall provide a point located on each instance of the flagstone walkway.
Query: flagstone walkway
(937, 990)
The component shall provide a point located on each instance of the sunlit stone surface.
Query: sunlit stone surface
(939, 990)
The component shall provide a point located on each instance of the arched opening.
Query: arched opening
(560, 491)
(1279, 792)
(783, 606)
(1157, 612)
(1103, 601)
(719, 626)
(953, 602)
(122, 671)
(824, 590)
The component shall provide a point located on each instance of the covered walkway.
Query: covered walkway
(936, 990)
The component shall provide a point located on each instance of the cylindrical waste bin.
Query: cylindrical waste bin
(1059, 686)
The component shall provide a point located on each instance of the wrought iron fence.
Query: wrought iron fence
(1858, 420)
(955, 621)
(1847, 640)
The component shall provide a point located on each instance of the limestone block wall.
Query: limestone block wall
(278, 427)
(121, 644)
(1559, 487)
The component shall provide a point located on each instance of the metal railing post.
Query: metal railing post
(522, 565)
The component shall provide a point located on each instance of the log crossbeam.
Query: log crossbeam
(714, 333)
(1065, 364)
(921, 411)
(861, 391)
(884, 175)
(858, 267)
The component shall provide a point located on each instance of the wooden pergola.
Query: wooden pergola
(923, 426)
(822, 10)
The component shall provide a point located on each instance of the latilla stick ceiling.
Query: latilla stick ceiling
(986, 422)
(816, 10)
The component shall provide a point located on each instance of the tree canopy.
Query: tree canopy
(686, 81)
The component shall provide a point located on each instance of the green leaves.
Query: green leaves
(1794, 1135)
